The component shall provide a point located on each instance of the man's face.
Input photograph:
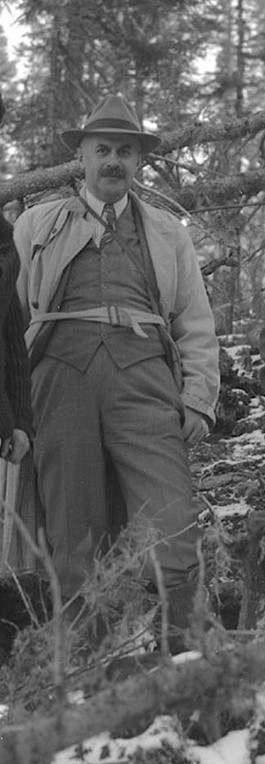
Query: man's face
(110, 164)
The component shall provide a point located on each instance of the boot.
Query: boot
(180, 606)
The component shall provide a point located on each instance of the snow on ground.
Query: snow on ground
(234, 748)
(163, 730)
(243, 445)
(229, 510)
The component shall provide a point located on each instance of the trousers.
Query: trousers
(135, 415)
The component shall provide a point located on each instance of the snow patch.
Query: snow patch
(228, 510)
(234, 748)
(104, 747)
(244, 444)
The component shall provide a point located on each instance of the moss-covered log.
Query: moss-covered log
(221, 686)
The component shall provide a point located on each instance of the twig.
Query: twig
(171, 536)
(200, 594)
(182, 165)
(28, 538)
(227, 207)
(58, 628)
(25, 599)
(163, 600)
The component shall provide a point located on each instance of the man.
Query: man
(15, 403)
(113, 309)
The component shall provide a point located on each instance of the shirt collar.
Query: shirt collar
(98, 206)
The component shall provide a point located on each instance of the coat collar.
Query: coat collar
(74, 204)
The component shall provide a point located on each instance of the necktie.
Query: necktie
(109, 216)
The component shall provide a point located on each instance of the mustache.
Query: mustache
(113, 172)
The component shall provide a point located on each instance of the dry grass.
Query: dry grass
(112, 622)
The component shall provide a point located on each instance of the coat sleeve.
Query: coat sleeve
(192, 328)
(15, 403)
(6, 414)
(23, 242)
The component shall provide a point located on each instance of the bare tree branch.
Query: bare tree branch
(208, 132)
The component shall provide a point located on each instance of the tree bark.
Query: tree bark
(200, 194)
(207, 132)
(36, 181)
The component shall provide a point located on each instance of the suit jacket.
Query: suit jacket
(49, 235)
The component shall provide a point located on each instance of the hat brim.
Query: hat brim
(72, 138)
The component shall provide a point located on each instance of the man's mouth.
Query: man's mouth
(118, 175)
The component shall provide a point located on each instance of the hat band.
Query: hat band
(108, 124)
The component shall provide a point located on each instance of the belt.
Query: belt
(111, 314)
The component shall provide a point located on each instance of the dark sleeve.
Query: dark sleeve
(17, 376)
(6, 230)
(9, 264)
(6, 415)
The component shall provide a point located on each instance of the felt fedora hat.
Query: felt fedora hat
(114, 116)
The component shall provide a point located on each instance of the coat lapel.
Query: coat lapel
(52, 255)
(162, 241)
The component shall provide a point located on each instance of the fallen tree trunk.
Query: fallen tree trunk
(202, 133)
(33, 182)
(222, 685)
(199, 194)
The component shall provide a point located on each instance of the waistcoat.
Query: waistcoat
(111, 276)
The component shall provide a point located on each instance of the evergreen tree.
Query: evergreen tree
(78, 51)
(7, 88)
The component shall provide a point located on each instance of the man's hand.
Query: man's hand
(195, 427)
(14, 448)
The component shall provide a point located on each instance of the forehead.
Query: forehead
(112, 141)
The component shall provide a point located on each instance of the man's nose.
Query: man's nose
(113, 157)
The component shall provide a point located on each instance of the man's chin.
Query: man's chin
(114, 189)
